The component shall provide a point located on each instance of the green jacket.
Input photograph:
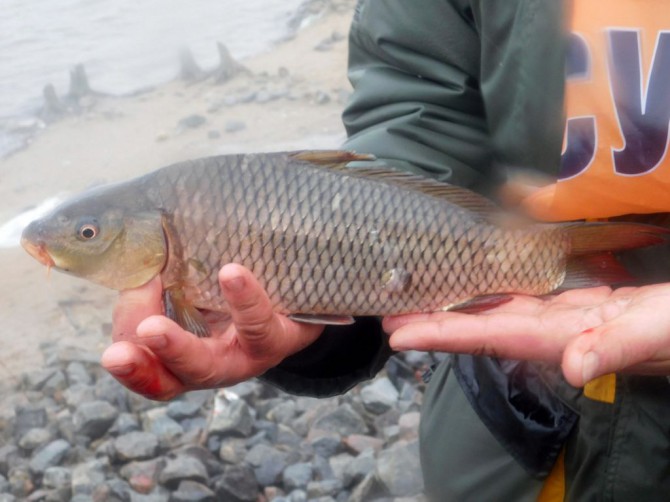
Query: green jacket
(461, 90)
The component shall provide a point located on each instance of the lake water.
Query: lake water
(125, 45)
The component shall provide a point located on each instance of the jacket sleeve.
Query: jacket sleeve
(450, 88)
(339, 359)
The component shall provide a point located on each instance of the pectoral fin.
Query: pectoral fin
(337, 320)
(184, 314)
(480, 304)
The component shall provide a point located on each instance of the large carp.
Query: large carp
(327, 241)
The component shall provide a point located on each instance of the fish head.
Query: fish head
(105, 239)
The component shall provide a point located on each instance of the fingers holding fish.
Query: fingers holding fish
(263, 335)
(505, 334)
(133, 306)
(140, 370)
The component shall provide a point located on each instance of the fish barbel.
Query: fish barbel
(327, 241)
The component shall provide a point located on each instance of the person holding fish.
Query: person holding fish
(556, 384)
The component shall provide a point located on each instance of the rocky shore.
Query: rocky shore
(69, 431)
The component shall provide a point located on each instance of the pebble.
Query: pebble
(34, 438)
(237, 484)
(297, 475)
(191, 122)
(192, 491)
(379, 396)
(138, 445)
(183, 467)
(94, 418)
(49, 455)
(233, 419)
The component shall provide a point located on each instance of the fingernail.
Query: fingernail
(590, 363)
(154, 341)
(235, 284)
(121, 371)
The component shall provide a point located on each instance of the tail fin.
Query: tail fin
(589, 271)
(591, 262)
(588, 238)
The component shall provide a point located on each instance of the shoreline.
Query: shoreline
(291, 98)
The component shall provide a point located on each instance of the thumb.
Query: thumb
(258, 328)
(609, 348)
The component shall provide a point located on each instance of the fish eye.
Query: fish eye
(87, 231)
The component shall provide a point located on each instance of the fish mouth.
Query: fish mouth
(39, 252)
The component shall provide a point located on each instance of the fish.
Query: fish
(330, 235)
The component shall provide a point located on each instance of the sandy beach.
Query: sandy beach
(291, 98)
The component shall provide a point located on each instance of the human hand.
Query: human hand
(155, 357)
(592, 332)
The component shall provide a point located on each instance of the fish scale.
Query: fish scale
(327, 240)
(373, 229)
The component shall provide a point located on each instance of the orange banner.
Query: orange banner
(618, 114)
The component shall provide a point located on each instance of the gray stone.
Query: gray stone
(237, 484)
(124, 424)
(87, 476)
(143, 475)
(136, 446)
(399, 469)
(8, 455)
(56, 383)
(118, 490)
(322, 98)
(408, 425)
(369, 490)
(4, 484)
(248, 389)
(297, 496)
(179, 410)
(360, 467)
(93, 419)
(159, 423)
(108, 389)
(57, 477)
(77, 374)
(324, 443)
(233, 420)
(343, 420)
(191, 121)
(77, 394)
(35, 380)
(297, 476)
(232, 126)
(206, 457)
(268, 463)
(35, 438)
(358, 443)
(284, 412)
(181, 468)
(213, 134)
(49, 455)
(379, 396)
(7, 497)
(323, 488)
(192, 491)
(20, 481)
(29, 417)
(287, 437)
(232, 450)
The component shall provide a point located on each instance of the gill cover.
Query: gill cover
(115, 248)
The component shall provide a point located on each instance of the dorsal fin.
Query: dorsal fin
(338, 160)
